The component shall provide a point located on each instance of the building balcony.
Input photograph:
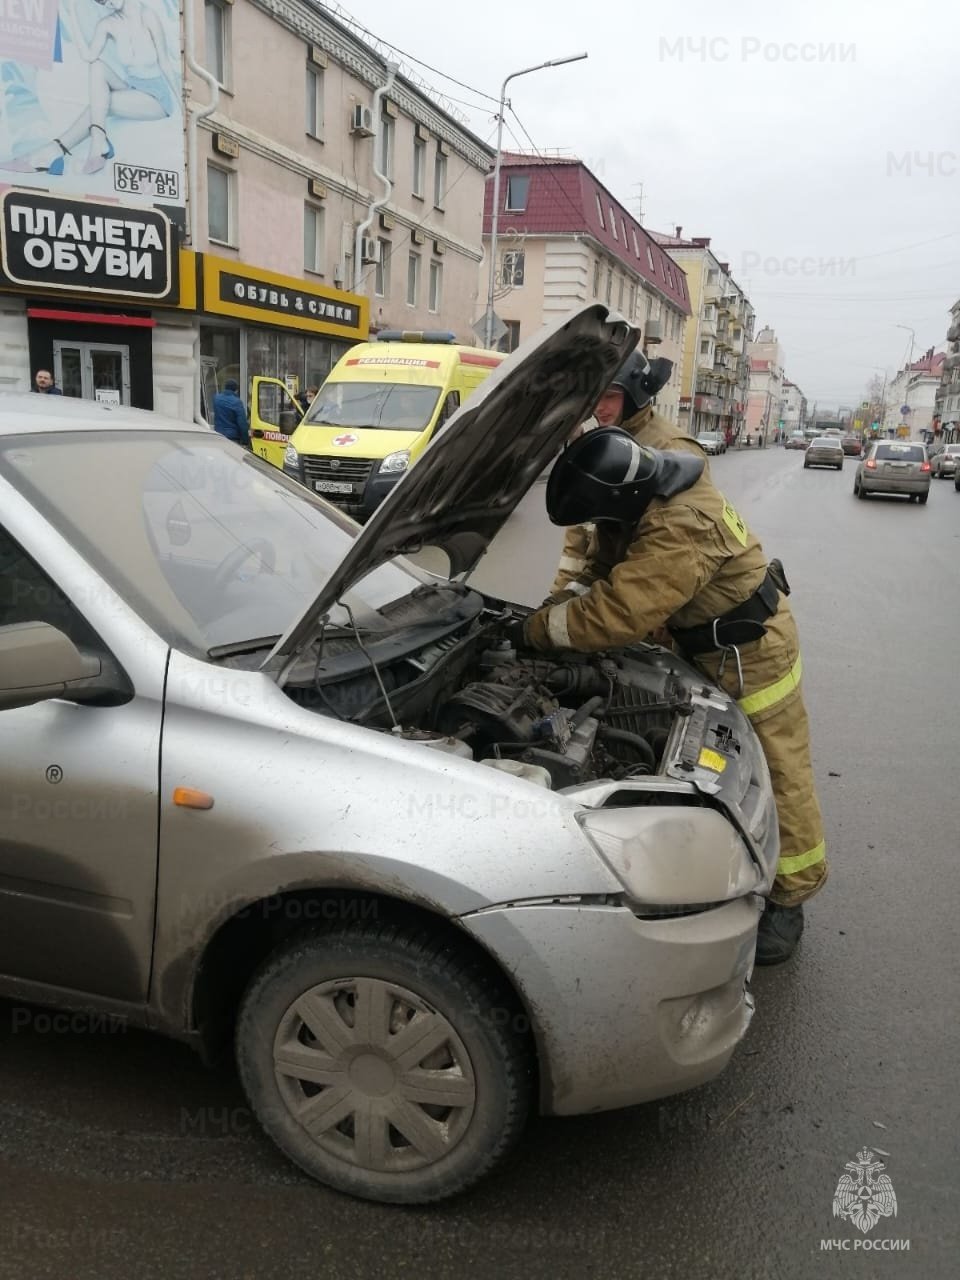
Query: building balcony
(952, 361)
(953, 333)
(708, 328)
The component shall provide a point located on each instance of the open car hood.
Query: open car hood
(476, 471)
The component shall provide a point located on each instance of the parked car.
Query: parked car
(712, 441)
(796, 440)
(852, 446)
(269, 783)
(825, 451)
(944, 462)
(894, 466)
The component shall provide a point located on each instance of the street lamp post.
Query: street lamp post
(491, 286)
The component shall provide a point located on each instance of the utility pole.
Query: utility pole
(495, 222)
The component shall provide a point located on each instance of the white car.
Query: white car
(712, 442)
(267, 781)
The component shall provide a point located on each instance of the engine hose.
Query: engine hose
(588, 708)
(629, 739)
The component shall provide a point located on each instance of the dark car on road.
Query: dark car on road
(852, 446)
(825, 451)
(796, 440)
(894, 466)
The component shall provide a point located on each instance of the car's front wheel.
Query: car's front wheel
(922, 498)
(384, 1062)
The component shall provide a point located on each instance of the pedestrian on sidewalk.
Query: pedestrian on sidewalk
(229, 415)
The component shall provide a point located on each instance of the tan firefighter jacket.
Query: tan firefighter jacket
(690, 559)
(647, 428)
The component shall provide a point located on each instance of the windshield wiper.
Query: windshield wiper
(242, 646)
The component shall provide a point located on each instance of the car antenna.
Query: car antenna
(366, 653)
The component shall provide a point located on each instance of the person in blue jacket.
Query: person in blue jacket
(229, 415)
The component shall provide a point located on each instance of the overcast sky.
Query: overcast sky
(739, 129)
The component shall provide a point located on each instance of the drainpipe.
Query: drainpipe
(196, 113)
(392, 69)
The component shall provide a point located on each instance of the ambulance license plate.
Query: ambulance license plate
(333, 486)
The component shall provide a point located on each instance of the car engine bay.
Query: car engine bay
(561, 720)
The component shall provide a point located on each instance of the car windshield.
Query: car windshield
(709, 435)
(395, 406)
(826, 442)
(210, 545)
(900, 453)
(953, 450)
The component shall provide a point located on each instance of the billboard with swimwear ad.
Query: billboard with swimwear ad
(92, 100)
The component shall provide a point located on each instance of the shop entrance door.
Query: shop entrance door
(92, 371)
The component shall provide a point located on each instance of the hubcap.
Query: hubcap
(374, 1075)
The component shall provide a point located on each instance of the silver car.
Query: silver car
(825, 451)
(265, 781)
(894, 466)
(944, 461)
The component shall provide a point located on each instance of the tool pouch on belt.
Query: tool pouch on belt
(740, 625)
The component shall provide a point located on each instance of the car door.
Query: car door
(274, 416)
(79, 807)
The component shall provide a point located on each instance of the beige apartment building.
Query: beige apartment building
(288, 175)
(238, 226)
(563, 240)
(715, 375)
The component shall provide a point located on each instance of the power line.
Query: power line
(419, 62)
(549, 167)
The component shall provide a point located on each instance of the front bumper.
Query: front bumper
(365, 497)
(623, 1009)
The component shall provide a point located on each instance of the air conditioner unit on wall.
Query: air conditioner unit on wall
(369, 249)
(361, 121)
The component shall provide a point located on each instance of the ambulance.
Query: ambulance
(380, 407)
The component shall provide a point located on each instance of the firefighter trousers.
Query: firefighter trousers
(772, 700)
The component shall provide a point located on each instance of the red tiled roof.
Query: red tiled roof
(929, 363)
(563, 200)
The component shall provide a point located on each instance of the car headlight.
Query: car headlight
(398, 461)
(673, 855)
(291, 458)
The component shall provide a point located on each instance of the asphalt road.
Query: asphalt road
(120, 1155)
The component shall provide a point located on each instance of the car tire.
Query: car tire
(922, 498)
(381, 1142)
(806, 465)
(859, 490)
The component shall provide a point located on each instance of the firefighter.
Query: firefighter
(627, 402)
(669, 550)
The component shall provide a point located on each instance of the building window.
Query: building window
(439, 180)
(314, 102)
(381, 285)
(633, 301)
(712, 276)
(653, 265)
(636, 245)
(385, 148)
(705, 347)
(709, 313)
(518, 188)
(511, 269)
(312, 238)
(599, 209)
(413, 280)
(737, 335)
(613, 224)
(511, 339)
(620, 294)
(419, 166)
(623, 224)
(220, 217)
(217, 38)
(609, 285)
(436, 285)
(596, 279)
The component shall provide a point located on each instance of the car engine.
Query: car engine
(570, 720)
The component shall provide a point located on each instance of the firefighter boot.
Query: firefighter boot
(779, 932)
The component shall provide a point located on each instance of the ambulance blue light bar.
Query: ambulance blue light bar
(415, 335)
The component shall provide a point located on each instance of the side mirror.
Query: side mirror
(38, 662)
